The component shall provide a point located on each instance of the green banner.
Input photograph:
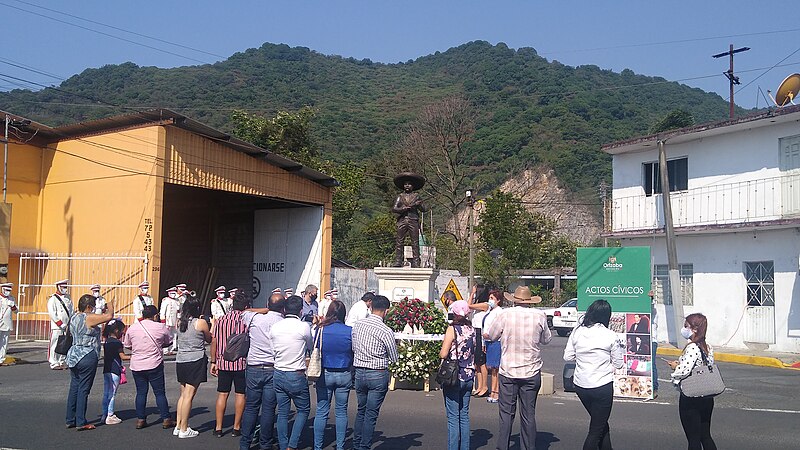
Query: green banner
(619, 275)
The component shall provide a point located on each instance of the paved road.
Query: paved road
(762, 410)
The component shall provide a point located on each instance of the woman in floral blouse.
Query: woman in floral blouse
(459, 344)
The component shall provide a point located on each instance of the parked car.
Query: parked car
(565, 317)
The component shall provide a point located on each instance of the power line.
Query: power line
(130, 41)
(30, 69)
(163, 41)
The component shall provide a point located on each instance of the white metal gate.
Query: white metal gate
(118, 275)
(760, 314)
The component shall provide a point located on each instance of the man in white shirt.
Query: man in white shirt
(360, 309)
(220, 305)
(99, 300)
(7, 306)
(291, 341)
(169, 317)
(141, 300)
(60, 309)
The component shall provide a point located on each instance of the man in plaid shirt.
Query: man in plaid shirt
(374, 348)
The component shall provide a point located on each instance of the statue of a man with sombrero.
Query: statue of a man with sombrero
(407, 207)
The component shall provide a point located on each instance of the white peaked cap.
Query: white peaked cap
(277, 291)
(64, 281)
(172, 289)
(94, 287)
(220, 289)
(144, 284)
(8, 285)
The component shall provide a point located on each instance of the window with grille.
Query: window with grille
(760, 279)
(661, 288)
(677, 174)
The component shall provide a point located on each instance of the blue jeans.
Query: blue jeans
(456, 404)
(654, 349)
(155, 378)
(291, 386)
(110, 385)
(371, 388)
(81, 381)
(332, 383)
(259, 395)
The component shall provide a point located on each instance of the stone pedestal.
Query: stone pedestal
(396, 283)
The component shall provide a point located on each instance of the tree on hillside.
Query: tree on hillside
(513, 238)
(434, 144)
(674, 120)
(288, 133)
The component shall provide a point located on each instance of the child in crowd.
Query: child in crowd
(113, 369)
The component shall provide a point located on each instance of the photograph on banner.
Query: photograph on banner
(621, 276)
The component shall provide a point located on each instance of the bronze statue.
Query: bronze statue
(407, 207)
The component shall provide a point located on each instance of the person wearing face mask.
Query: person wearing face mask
(99, 301)
(7, 306)
(182, 292)
(142, 300)
(220, 305)
(329, 297)
(695, 412)
(310, 305)
(60, 309)
(169, 317)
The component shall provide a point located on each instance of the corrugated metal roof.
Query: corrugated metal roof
(694, 132)
(172, 118)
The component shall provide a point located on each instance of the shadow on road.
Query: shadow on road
(405, 442)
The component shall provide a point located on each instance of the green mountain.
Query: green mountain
(531, 111)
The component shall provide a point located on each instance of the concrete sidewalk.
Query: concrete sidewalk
(743, 356)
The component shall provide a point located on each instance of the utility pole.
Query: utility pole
(5, 158)
(471, 206)
(672, 252)
(733, 79)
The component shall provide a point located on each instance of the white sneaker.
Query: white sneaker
(176, 431)
(189, 433)
(113, 420)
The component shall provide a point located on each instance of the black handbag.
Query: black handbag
(447, 376)
(238, 344)
(64, 341)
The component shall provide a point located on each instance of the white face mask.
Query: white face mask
(6, 292)
(492, 304)
(686, 332)
(96, 294)
(62, 290)
(173, 295)
(144, 291)
(220, 295)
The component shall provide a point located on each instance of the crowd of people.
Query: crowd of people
(494, 339)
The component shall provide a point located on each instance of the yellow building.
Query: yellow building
(160, 197)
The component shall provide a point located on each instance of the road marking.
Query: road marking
(784, 411)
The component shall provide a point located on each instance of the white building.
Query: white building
(735, 197)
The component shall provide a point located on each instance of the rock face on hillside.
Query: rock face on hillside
(541, 192)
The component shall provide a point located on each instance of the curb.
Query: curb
(763, 361)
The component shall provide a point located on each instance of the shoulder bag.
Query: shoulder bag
(64, 342)
(238, 344)
(705, 380)
(447, 376)
(314, 369)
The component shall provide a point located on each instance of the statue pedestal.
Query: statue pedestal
(396, 283)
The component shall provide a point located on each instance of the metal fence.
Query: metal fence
(745, 201)
(118, 275)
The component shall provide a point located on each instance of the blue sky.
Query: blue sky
(672, 39)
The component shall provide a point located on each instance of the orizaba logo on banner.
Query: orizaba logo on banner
(612, 264)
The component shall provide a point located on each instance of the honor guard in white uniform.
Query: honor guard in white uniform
(99, 301)
(327, 298)
(232, 294)
(7, 306)
(60, 309)
(220, 305)
(169, 317)
(142, 300)
(288, 292)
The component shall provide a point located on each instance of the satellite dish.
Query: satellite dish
(787, 91)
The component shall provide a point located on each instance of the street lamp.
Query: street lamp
(470, 205)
